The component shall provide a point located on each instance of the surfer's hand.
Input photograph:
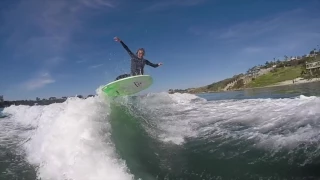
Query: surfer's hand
(159, 64)
(117, 39)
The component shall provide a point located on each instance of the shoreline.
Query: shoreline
(298, 81)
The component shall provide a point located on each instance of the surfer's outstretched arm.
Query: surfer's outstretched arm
(124, 46)
(153, 65)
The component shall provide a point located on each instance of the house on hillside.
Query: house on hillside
(313, 66)
(293, 58)
(311, 55)
(253, 72)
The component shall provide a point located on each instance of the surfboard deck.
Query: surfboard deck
(128, 86)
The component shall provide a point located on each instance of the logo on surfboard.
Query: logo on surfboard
(137, 83)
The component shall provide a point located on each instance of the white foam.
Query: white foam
(71, 140)
(170, 114)
(269, 123)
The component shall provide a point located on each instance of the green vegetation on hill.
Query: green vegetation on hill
(217, 86)
(287, 69)
(276, 76)
(239, 84)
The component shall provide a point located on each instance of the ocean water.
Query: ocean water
(270, 133)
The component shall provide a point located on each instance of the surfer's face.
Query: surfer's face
(140, 54)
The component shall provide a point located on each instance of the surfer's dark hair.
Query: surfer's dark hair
(141, 49)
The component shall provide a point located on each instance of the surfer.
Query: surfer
(137, 61)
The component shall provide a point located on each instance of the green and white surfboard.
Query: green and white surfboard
(128, 86)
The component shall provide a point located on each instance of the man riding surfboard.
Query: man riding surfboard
(137, 61)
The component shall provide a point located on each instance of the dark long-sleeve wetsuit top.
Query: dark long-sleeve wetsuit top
(137, 65)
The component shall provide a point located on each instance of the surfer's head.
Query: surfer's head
(140, 53)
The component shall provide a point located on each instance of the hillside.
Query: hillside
(271, 73)
(276, 76)
(214, 87)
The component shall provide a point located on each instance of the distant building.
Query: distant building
(313, 65)
(294, 58)
(311, 55)
(1, 98)
(52, 98)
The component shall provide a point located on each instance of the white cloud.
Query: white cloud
(276, 34)
(81, 61)
(99, 3)
(95, 66)
(43, 29)
(290, 23)
(253, 49)
(40, 81)
(166, 4)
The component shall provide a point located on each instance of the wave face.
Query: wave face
(70, 140)
(166, 136)
(193, 138)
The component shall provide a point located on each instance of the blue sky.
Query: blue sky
(66, 47)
